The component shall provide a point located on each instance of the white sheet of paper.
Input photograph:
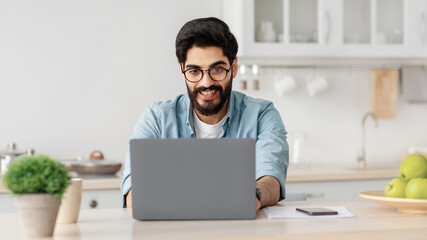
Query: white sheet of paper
(291, 212)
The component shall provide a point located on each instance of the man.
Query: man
(206, 52)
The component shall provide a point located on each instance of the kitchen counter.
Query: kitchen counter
(295, 174)
(340, 173)
(100, 183)
(371, 221)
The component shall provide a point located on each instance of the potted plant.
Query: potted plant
(38, 182)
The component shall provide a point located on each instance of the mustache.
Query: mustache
(213, 87)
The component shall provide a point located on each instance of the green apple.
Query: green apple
(417, 188)
(396, 188)
(413, 166)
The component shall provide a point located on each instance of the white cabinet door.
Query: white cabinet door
(416, 23)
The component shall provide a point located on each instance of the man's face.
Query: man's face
(207, 96)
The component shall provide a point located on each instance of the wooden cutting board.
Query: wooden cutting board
(384, 89)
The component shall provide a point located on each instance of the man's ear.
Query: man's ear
(235, 67)
(180, 70)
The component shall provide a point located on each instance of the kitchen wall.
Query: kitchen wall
(75, 76)
(329, 124)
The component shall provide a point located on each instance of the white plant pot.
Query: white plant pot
(38, 214)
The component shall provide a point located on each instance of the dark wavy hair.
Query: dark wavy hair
(205, 32)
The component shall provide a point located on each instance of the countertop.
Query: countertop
(371, 221)
(315, 173)
(296, 173)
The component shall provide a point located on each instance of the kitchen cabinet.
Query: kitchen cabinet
(101, 199)
(7, 203)
(327, 190)
(329, 28)
(91, 199)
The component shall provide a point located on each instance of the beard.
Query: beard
(210, 108)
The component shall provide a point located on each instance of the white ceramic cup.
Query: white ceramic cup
(284, 84)
(381, 38)
(70, 204)
(317, 85)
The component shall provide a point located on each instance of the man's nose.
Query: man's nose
(206, 80)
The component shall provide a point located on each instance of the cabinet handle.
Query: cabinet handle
(422, 28)
(93, 204)
(327, 27)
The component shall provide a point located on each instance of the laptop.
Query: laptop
(193, 179)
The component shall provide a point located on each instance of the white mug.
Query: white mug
(284, 84)
(70, 204)
(317, 85)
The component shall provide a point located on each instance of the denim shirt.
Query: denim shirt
(246, 117)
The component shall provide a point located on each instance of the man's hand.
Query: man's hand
(269, 187)
(129, 199)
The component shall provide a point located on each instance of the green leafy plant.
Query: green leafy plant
(37, 174)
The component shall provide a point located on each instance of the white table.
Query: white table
(371, 221)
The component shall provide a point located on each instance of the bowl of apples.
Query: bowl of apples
(408, 193)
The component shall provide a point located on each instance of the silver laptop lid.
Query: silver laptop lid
(176, 179)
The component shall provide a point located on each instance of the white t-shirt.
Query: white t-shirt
(204, 130)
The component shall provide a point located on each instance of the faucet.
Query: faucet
(362, 157)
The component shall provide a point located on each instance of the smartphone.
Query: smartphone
(317, 211)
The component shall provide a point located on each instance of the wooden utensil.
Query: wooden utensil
(384, 87)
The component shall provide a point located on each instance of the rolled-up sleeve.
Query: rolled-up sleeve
(146, 127)
(272, 150)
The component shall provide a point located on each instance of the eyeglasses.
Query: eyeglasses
(216, 73)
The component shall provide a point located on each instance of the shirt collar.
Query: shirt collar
(230, 110)
(190, 120)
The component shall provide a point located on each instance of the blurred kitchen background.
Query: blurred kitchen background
(76, 75)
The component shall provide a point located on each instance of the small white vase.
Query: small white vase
(266, 32)
(38, 214)
(71, 201)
